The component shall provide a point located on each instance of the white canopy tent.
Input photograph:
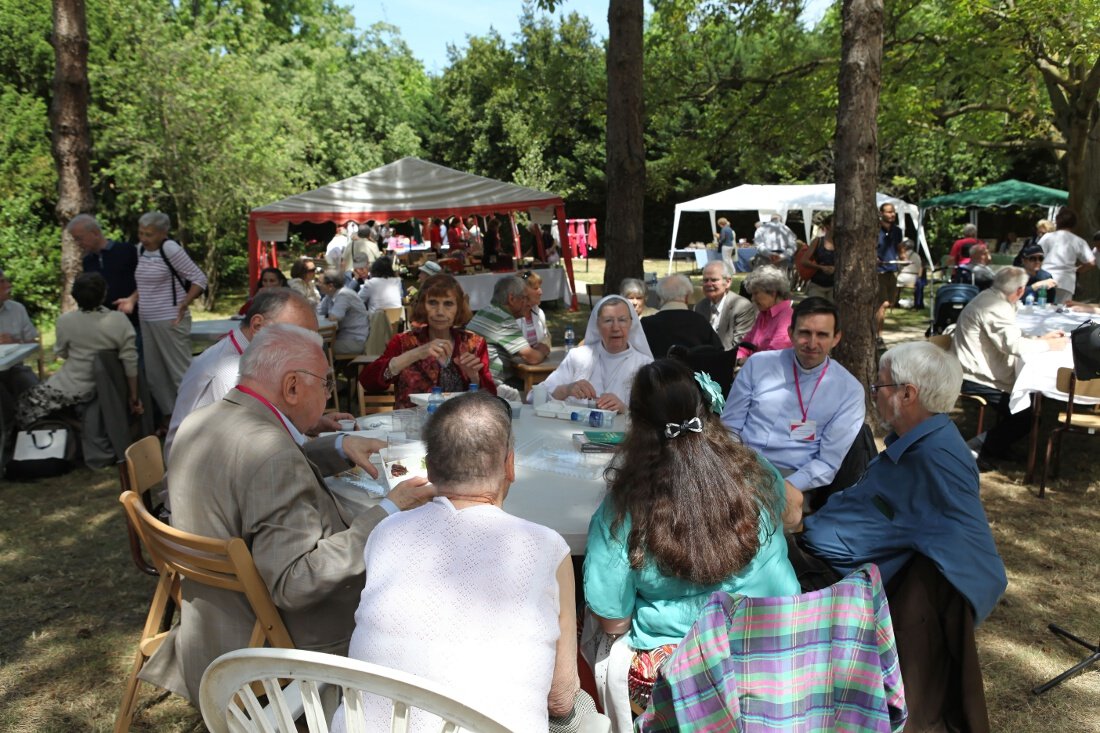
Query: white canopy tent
(781, 200)
(405, 189)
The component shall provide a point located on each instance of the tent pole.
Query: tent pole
(515, 240)
(559, 213)
(253, 253)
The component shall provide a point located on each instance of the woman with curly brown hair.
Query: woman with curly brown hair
(688, 511)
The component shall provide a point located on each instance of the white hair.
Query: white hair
(1009, 279)
(276, 350)
(726, 269)
(769, 279)
(935, 373)
(631, 285)
(156, 220)
(970, 230)
(674, 287)
(84, 222)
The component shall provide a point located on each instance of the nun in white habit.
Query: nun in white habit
(603, 368)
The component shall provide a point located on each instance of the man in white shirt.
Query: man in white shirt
(730, 315)
(214, 372)
(334, 252)
(1066, 254)
(988, 343)
(797, 407)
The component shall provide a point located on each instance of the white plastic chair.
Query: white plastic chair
(229, 704)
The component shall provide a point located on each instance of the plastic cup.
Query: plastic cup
(347, 425)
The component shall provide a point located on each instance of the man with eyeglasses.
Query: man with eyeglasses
(920, 495)
(242, 467)
(730, 315)
(214, 372)
(1031, 257)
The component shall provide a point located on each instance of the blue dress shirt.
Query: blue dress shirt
(919, 495)
(763, 402)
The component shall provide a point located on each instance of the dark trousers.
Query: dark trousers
(1010, 427)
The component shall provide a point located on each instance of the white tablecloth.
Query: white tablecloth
(551, 498)
(12, 354)
(1039, 372)
(555, 286)
(205, 333)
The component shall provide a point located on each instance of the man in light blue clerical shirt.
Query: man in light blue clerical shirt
(797, 407)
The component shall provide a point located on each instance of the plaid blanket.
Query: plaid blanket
(825, 660)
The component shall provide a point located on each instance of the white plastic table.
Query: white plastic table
(553, 498)
(12, 354)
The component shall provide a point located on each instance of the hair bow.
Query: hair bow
(673, 430)
(712, 391)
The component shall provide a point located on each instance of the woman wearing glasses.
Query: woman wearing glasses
(602, 370)
(1031, 259)
(441, 353)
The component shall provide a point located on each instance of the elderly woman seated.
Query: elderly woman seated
(441, 353)
(464, 594)
(634, 290)
(341, 305)
(771, 294)
(533, 321)
(80, 336)
(602, 370)
(678, 482)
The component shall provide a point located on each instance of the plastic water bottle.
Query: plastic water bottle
(1029, 301)
(435, 399)
(570, 338)
(580, 416)
(1042, 300)
(472, 388)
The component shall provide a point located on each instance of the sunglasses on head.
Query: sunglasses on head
(1034, 258)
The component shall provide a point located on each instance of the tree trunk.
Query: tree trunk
(625, 144)
(72, 138)
(1080, 126)
(856, 216)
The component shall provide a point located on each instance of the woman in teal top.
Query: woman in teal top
(689, 511)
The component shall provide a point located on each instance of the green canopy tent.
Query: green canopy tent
(995, 195)
(1004, 193)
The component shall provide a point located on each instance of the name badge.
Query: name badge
(803, 430)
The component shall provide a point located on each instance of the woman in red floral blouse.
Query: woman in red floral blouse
(441, 353)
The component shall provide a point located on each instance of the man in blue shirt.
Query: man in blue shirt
(889, 239)
(116, 261)
(920, 495)
(797, 407)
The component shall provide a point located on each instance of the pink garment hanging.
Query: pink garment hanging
(592, 243)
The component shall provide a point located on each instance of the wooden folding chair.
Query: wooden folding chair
(328, 336)
(371, 403)
(142, 470)
(224, 564)
(1070, 421)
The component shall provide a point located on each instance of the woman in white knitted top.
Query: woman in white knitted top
(467, 595)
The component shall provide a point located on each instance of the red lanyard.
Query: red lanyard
(798, 389)
(236, 344)
(263, 400)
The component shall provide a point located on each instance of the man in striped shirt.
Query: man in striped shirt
(497, 324)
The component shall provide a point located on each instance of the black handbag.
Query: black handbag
(1085, 341)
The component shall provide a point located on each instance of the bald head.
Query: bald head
(468, 441)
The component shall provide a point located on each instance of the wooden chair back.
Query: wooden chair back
(1071, 420)
(375, 402)
(328, 336)
(396, 318)
(224, 564)
(939, 339)
(142, 471)
(1070, 384)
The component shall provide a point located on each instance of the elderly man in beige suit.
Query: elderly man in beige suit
(242, 468)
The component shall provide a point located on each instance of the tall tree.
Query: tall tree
(72, 139)
(625, 143)
(857, 181)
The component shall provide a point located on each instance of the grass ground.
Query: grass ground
(72, 603)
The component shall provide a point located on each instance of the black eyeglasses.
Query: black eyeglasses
(876, 387)
(329, 381)
(1035, 258)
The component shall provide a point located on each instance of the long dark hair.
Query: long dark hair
(695, 501)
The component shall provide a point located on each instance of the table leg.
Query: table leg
(1033, 436)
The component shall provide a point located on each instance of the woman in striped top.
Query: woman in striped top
(168, 281)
